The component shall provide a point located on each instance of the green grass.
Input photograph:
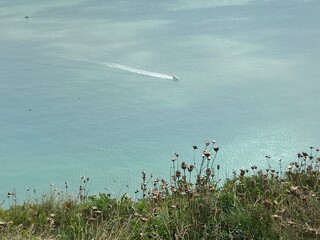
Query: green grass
(253, 204)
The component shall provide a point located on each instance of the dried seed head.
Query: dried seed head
(208, 172)
(178, 174)
(190, 168)
(183, 165)
(216, 149)
(143, 186)
(206, 153)
(173, 159)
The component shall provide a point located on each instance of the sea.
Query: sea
(87, 88)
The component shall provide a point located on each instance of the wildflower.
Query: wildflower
(206, 153)
(183, 165)
(143, 175)
(173, 159)
(143, 186)
(190, 168)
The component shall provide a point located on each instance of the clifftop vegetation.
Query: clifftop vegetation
(271, 203)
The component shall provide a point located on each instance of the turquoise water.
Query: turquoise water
(249, 79)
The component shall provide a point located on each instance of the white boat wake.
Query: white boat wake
(138, 71)
(130, 69)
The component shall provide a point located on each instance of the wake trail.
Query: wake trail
(128, 69)
(135, 70)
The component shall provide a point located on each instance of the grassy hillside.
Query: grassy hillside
(253, 204)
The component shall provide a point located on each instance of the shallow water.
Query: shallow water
(249, 79)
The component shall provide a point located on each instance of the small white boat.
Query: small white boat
(175, 78)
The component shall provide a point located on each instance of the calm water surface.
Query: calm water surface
(249, 79)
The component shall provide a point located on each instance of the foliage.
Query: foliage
(253, 204)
